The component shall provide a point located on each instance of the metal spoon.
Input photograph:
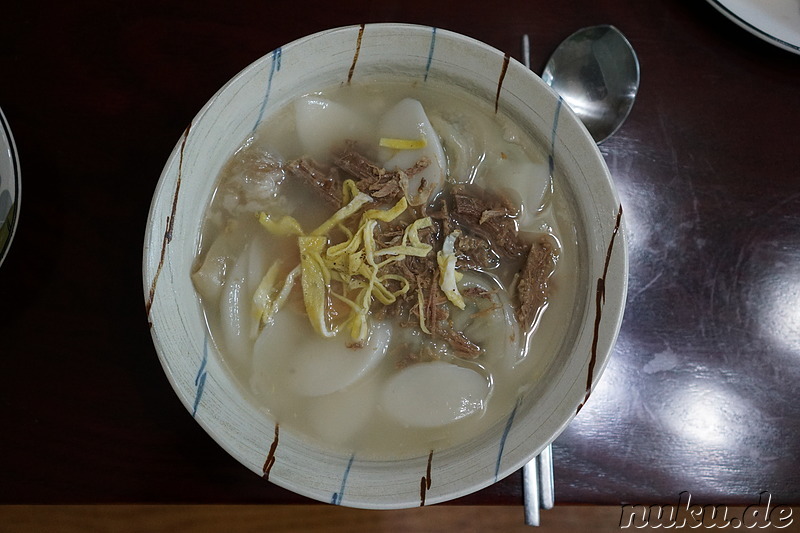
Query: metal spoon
(596, 71)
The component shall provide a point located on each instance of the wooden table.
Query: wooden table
(701, 393)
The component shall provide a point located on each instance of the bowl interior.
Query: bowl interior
(353, 55)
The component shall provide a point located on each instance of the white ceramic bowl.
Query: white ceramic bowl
(190, 360)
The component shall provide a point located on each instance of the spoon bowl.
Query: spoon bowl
(596, 71)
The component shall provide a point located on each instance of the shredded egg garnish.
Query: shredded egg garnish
(268, 299)
(403, 144)
(356, 264)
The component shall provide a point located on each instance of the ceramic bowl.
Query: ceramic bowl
(190, 360)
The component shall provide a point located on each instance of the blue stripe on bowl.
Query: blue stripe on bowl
(430, 53)
(200, 379)
(336, 499)
(509, 423)
(274, 67)
(551, 156)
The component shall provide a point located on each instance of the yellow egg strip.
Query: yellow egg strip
(285, 226)
(403, 144)
(267, 299)
(265, 292)
(287, 288)
(349, 191)
(355, 320)
(314, 282)
(342, 214)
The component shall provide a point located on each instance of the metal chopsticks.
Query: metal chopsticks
(538, 485)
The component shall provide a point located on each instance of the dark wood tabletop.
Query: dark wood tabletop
(700, 395)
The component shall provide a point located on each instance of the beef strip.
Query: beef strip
(418, 167)
(490, 216)
(533, 287)
(437, 314)
(359, 167)
(325, 182)
(442, 216)
(384, 186)
(475, 253)
(464, 348)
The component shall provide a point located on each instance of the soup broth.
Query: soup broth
(386, 268)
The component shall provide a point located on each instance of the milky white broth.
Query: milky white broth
(368, 400)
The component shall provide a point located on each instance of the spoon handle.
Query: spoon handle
(526, 51)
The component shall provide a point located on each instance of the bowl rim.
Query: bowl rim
(12, 184)
(159, 236)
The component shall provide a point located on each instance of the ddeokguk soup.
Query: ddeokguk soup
(387, 268)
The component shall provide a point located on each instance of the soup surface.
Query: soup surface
(387, 268)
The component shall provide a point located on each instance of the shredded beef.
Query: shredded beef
(418, 167)
(464, 348)
(436, 302)
(325, 182)
(383, 185)
(389, 189)
(490, 216)
(475, 253)
(533, 288)
(370, 178)
(477, 292)
(442, 216)
(359, 167)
